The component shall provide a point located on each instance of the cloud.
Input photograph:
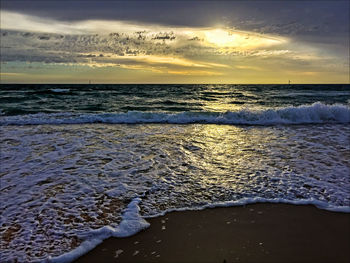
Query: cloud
(212, 51)
(33, 39)
(248, 67)
(11, 74)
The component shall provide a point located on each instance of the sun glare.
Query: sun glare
(220, 37)
(238, 39)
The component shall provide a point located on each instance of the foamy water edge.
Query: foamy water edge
(132, 222)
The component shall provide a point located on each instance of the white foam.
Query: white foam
(316, 113)
(131, 223)
(258, 200)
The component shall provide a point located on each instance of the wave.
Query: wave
(60, 90)
(316, 113)
(132, 223)
(313, 94)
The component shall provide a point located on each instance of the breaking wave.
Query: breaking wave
(316, 113)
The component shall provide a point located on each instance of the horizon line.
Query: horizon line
(282, 83)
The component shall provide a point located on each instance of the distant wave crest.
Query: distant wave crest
(60, 90)
(317, 113)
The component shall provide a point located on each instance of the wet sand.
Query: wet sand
(253, 233)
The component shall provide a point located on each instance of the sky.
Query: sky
(250, 41)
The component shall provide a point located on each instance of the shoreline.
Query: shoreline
(261, 232)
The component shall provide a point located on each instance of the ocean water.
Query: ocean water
(80, 163)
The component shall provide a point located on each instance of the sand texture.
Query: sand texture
(253, 233)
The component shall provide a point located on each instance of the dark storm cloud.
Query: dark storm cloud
(283, 17)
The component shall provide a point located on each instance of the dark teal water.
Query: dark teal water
(176, 104)
(29, 99)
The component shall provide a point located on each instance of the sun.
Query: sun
(220, 37)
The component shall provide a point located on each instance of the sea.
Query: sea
(81, 163)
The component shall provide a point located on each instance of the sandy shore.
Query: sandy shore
(254, 233)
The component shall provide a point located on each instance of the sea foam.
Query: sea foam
(316, 113)
(79, 182)
(131, 223)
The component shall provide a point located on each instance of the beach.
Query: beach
(251, 233)
(110, 156)
(174, 131)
